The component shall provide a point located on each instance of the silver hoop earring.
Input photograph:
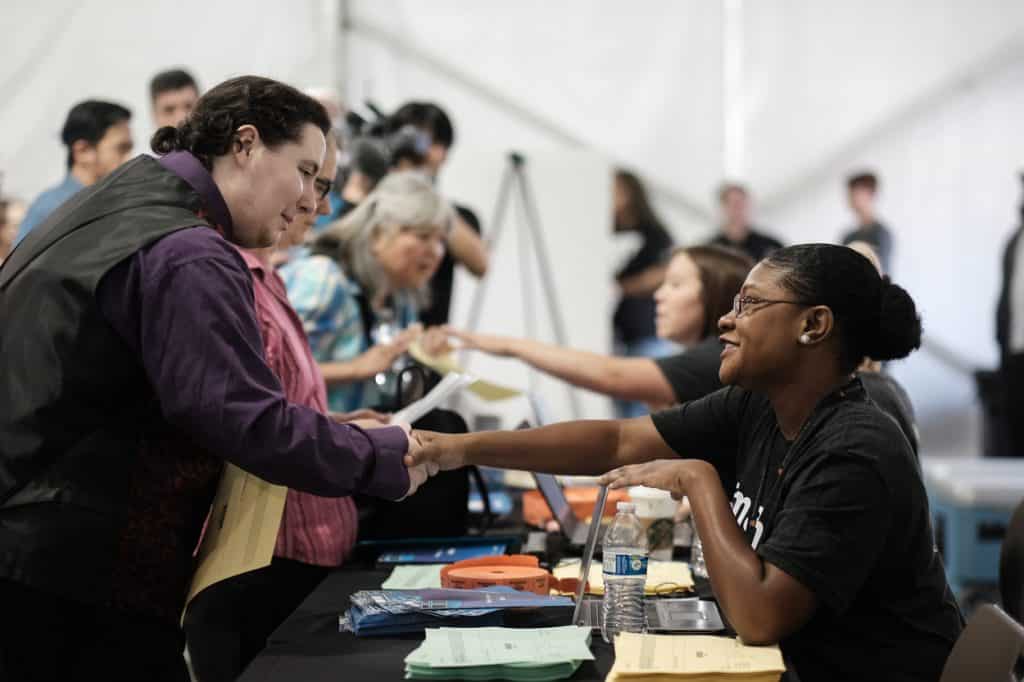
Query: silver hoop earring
(805, 339)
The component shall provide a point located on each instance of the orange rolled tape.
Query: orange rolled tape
(518, 571)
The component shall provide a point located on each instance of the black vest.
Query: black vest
(85, 455)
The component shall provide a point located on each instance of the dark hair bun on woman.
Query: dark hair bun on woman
(278, 111)
(899, 327)
(875, 318)
(168, 139)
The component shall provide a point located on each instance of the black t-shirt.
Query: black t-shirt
(843, 510)
(634, 316)
(757, 245)
(444, 279)
(694, 373)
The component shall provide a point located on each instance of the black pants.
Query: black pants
(228, 623)
(45, 637)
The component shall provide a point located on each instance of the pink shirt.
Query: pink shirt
(314, 530)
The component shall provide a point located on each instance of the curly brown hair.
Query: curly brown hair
(278, 111)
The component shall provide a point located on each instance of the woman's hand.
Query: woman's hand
(379, 358)
(495, 345)
(675, 476)
(443, 451)
(434, 342)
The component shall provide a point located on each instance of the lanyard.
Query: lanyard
(817, 416)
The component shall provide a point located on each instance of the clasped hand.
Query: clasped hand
(430, 453)
(421, 464)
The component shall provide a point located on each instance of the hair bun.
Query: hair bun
(899, 326)
(166, 140)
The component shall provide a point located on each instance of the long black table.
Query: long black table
(309, 647)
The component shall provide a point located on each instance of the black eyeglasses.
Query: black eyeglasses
(740, 303)
(323, 187)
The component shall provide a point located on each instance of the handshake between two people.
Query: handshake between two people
(371, 419)
(431, 452)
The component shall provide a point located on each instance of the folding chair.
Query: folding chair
(987, 650)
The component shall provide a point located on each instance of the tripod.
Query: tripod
(515, 181)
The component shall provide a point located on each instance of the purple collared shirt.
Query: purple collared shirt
(184, 304)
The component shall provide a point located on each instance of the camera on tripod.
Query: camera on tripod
(374, 145)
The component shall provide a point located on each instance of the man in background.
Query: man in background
(172, 94)
(1006, 398)
(862, 192)
(464, 244)
(737, 231)
(99, 139)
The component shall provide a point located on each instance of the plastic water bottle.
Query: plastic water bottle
(625, 571)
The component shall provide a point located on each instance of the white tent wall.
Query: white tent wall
(931, 99)
(637, 82)
(951, 193)
(58, 52)
(573, 216)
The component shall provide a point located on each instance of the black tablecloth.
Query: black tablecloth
(309, 647)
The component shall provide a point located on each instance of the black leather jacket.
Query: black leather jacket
(83, 447)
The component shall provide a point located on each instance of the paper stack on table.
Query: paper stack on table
(693, 658)
(533, 654)
(663, 577)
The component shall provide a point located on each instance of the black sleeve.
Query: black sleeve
(693, 374)
(831, 527)
(469, 216)
(707, 428)
(656, 247)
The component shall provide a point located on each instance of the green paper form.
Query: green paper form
(414, 577)
(503, 653)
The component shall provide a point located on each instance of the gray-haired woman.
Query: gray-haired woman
(365, 274)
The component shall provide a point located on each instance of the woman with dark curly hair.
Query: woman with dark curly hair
(825, 545)
(132, 367)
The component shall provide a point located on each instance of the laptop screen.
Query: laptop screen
(552, 491)
(548, 485)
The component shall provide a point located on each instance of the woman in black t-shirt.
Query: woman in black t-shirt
(699, 286)
(825, 546)
(638, 278)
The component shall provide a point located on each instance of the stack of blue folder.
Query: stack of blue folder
(390, 612)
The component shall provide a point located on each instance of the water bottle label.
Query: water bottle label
(625, 564)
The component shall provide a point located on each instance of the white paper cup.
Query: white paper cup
(656, 510)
